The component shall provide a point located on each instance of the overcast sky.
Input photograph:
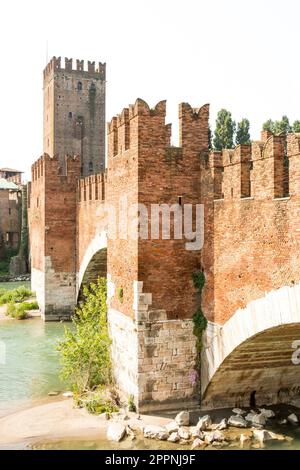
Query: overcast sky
(238, 54)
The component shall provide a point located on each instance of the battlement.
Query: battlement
(122, 130)
(89, 67)
(47, 165)
(268, 168)
(92, 188)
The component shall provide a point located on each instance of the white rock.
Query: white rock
(249, 417)
(173, 437)
(204, 423)
(262, 435)
(197, 443)
(218, 436)
(172, 427)
(292, 418)
(259, 419)
(237, 421)
(222, 425)
(184, 433)
(68, 394)
(183, 418)
(244, 438)
(208, 437)
(282, 421)
(267, 413)
(115, 432)
(238, 411)
(156, 432)
(195, 432)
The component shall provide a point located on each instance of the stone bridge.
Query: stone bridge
(251, 297)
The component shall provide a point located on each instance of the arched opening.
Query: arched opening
(96, 268)
(259, 371)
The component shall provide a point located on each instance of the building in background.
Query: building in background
(14, 176)
(10, 217)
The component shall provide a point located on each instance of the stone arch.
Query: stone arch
(94, 262)
(252, 352)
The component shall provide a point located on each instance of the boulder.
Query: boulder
(218, 436)
(262, 435)
(204, 423)
(184, 433)
(68, 394)
(267, 413)
(183, 418)
(282, 421)
(238, 411)
(222, 425)
(237, 421)
(249, 417)
(259, 419)
(173, 437)
(172, 427)
(156, 432)
(292, 418)
(197, 443)
(195, 432)
(208, 437)
(116, 432)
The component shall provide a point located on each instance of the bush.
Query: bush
(15, 295)
(85, 351)
(98, 401)
(19, 311)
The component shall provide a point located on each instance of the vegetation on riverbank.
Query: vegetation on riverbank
(85, 353)
(20, 311)
(15, 295)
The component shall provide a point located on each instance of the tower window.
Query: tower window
(70, 115)
(91, 166)
(79, 86)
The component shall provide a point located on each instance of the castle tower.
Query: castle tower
(74, 113)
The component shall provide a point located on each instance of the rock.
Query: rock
(130, 432)
(197, 443)
(244, 438)
(282, 421)
(53, 394)
(276, 437)
(208, 437)
(172, 427)
(249, 417)
(222, 425)
(238, 411)
(68, 394)
(267, 413)
(204, 423)
(262, 435)
(184, 433)
(259, 419)
(116, 432)
(183, 418)
(218, 436)
(173, 437)
(237, 421)
(156, 432)
(195, 432)
(292, 418)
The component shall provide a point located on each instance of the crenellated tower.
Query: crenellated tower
(74, 112)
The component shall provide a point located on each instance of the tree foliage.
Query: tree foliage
(296, 126)
(242, 133)
(281, 127)
(85, 349)
(224, 132)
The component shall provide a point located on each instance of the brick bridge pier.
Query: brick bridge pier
(251, 297)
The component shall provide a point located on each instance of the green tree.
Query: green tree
(296, 126)
(282, 127)
(242, 133)
(85, 349)
(268, 125)
(224, 132)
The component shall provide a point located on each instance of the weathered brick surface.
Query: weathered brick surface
(10, 223)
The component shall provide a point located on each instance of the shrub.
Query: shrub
(98, 401)
(15, 295)
(19, 311)
(85, 351)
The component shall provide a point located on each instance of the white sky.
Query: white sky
(238, 54)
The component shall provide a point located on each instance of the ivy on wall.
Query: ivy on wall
(199, 319)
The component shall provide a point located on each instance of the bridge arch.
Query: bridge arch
(94, 262)
(249, 358)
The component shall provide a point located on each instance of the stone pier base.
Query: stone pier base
(154, 360)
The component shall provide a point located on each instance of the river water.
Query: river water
(29, 363)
